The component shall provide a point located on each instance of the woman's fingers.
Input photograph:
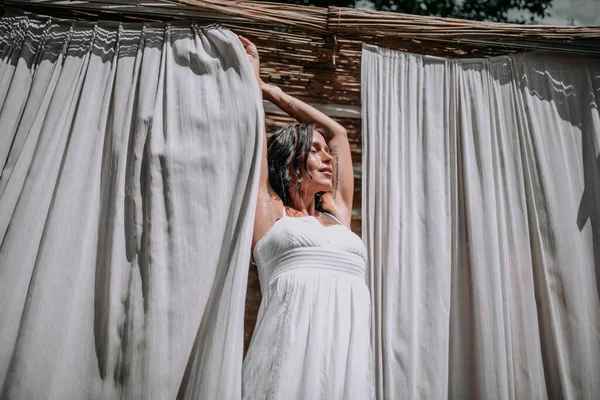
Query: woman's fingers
(244, 41)
(252, 53)
(249, 46)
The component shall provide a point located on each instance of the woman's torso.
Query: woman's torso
(294, 243)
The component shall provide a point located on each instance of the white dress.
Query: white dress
(312, 336)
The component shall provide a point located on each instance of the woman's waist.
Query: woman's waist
(313, 261)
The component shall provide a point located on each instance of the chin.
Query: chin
(323, 186)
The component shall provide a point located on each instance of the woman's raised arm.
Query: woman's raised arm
(268, 204)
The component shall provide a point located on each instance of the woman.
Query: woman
(311, 339)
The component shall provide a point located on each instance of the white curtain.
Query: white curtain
(129, 160)
(481, 215)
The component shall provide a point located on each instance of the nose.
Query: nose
(326, 159)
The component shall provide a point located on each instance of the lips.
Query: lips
(327, 170)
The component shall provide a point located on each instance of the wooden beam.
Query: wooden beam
(332, 110)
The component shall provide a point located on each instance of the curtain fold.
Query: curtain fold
(130, 159)
(481, 216)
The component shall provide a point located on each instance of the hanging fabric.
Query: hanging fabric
(481, 216)
(130, 159)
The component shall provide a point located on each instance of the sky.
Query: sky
(563, 12)
(574, 12)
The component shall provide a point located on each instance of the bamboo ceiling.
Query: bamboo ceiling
(314, 53)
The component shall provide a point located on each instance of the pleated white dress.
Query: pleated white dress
(312, 337)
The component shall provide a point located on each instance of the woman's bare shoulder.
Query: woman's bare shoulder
(269, 208)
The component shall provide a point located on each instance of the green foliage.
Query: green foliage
(488, 10)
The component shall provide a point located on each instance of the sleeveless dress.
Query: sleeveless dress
(312, 336)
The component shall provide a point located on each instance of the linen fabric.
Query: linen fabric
(312, 336)
(129, 156)
(481, 217)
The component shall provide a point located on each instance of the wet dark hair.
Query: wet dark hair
(289, 147)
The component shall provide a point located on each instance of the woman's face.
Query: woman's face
(318, 164)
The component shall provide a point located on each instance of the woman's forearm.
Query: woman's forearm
(302, 112)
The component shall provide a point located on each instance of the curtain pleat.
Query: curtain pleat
(129, 157)
(481, 215)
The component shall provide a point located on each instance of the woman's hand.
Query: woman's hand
(252, 53)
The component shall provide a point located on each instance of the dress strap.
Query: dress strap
(284, 212)
(334, 217)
